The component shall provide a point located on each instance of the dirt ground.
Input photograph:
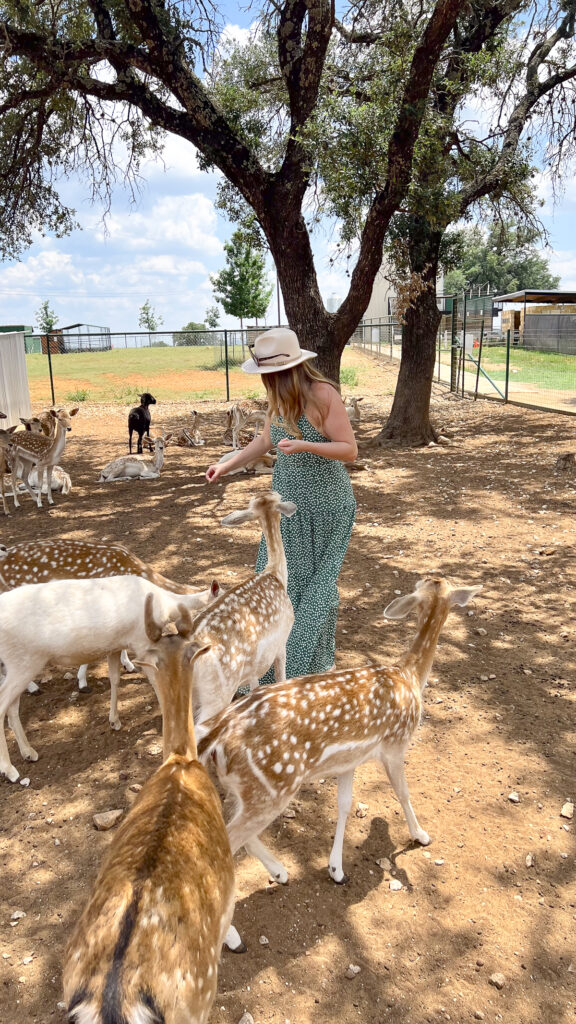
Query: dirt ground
(495, 893)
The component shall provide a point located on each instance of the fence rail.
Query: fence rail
(474, 359)
(471, 359)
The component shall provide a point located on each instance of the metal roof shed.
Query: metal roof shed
(553, 331)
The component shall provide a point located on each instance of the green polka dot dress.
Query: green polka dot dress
(315, 541)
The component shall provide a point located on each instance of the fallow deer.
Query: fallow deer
(266, 745)
(36, 450)
(248, 627)
(147, 945)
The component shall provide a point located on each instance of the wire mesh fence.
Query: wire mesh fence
(533, 366)
(117, 367)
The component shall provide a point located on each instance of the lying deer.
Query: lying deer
(147, 945)
(135, 467)
(36, 450)
(70, 623)
(267, 745)
(39, 561)
(188, 437)
(264, 464)
(246, 629)
(353, 409)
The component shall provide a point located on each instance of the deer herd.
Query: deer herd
(146, 947)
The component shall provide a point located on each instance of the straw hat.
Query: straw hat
(278, 349)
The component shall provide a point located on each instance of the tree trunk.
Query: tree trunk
(409, 420)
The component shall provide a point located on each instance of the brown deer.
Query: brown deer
(147, 945)
(43, 452)
(268, 744)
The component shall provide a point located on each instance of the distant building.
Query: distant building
(78, 338)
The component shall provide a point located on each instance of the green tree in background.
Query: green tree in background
(505, 257)
(148, 318)
(192, 334)
(46, 318)
(212, 316)
(241, 286)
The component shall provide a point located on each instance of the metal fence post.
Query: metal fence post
(507, 365)
(48, 340)
(226, 361)
(454, 348)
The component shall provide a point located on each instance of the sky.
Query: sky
(165, 248)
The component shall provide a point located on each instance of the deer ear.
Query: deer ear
(238, 517)
(74, 411)
(167, 437)
(194, 650)
(287, 508)
(54, 413)
(463, 595)
(401, 607)
(215, 588)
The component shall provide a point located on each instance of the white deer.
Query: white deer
(136, 467)
(268, 744)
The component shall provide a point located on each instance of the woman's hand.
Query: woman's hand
(213, 473)
(290, 445)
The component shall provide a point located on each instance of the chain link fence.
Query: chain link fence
(115, 368)
(535, 366)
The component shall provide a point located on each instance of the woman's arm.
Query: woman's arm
(259, 446)
(335, 426)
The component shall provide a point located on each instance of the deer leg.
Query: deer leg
(233, 941)
(12, 684)
(274, 867)
(114, 669)
(393, 762)
(345, 785)
(4, 503)
(280, 666)
(24, 474)
(48, 484)
(28, 752)
(127, 664)
(82, 680)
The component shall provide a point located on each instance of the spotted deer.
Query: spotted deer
(263, 465)
(265, 746)
(248, 627)
(31, 450)
(6, 462)
(38, 561)
(136, 467)
(240, 417)
(147, 945)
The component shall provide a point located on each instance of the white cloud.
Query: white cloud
(563, 262)
(188, 220)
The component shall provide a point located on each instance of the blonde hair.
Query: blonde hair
(290, 391)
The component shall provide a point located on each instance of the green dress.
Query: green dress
(315, 541)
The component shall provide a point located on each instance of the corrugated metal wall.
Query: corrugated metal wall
(14, 393)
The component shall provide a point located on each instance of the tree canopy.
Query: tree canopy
(504, 257)
(241, 286)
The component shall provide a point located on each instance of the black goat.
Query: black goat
(139, 419)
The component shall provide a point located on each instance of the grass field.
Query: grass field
(171, 374)
(549, 370)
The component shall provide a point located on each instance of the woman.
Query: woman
(309, 425)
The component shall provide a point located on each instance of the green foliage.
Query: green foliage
(45, 318)
(241, 286)
(349, 376)
(212, 316)
(148, 318)
(79, 395)
(193, 334)
(505, 257)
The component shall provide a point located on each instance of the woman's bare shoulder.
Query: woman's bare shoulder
(325, 393)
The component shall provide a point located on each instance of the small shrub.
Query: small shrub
(349, 376)
(125, 396)
(80, 395)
